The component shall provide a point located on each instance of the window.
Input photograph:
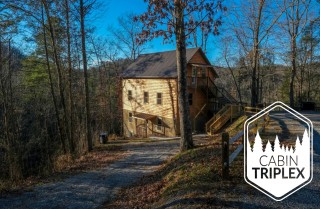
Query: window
(203, 72)
(130, 117)
(190, 98)
(193, 81)
(194, 71)
(194, 75)
(129, 95)
(159, 98)
(146, 97)
(159, 124)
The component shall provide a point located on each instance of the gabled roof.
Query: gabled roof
(160, 64)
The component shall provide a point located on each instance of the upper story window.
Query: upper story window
(159, 98)
(194, 71)
(193, 74)
(130, 117)
(203, 72)
(129, 95)
(190, 98)
(146, 97)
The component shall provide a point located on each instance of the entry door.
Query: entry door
(141, 131)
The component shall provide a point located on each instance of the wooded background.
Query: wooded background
(60, 93)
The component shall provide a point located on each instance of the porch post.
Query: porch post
(146, 122)
(207, 89)
(136, 125)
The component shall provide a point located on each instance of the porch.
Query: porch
(150, 125)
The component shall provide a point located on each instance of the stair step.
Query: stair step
(222, 117)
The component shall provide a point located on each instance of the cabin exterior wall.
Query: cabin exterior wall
(167, 111)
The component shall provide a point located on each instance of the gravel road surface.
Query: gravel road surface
(91, 189)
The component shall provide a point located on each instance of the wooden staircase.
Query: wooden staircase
(228, 112)
(217, 94)
(220, 103)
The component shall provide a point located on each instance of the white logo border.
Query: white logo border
(246, 136)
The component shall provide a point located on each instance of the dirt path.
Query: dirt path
(91, 189)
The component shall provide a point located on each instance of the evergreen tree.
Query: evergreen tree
(257, 146)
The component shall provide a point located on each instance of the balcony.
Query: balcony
(207, 86)
(195, 82)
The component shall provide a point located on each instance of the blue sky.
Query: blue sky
(112, 9)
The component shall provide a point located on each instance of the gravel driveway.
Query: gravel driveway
(91, 189)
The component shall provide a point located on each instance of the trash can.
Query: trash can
(103, 138)
(308, 106)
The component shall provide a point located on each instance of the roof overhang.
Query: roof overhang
(144, 116)
(147, 77)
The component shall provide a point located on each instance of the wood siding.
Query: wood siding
(199, 97)
(198, 59)
(167, 110)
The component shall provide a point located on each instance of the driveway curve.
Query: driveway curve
(91, 189)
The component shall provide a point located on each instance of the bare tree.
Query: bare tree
(9, 135)
(125, 36)
(54, 99)
(70, 98)
(200, 36)
(85, 74)
(59, 68)
(294, 22)
(226, 57)
(252, 23)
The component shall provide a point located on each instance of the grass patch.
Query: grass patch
(236, 126)
(187, 170)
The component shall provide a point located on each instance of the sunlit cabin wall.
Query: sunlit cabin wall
(167, 110)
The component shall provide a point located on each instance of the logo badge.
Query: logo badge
(278, 156)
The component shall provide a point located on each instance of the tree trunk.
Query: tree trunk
(85, 73)
(254, 83)
(71, 128)
(58, 67)
(185, 124)
(11, 142)
(293, 71)
(51, 85)
(111, 128)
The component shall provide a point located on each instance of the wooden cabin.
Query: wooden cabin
(149, 94)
